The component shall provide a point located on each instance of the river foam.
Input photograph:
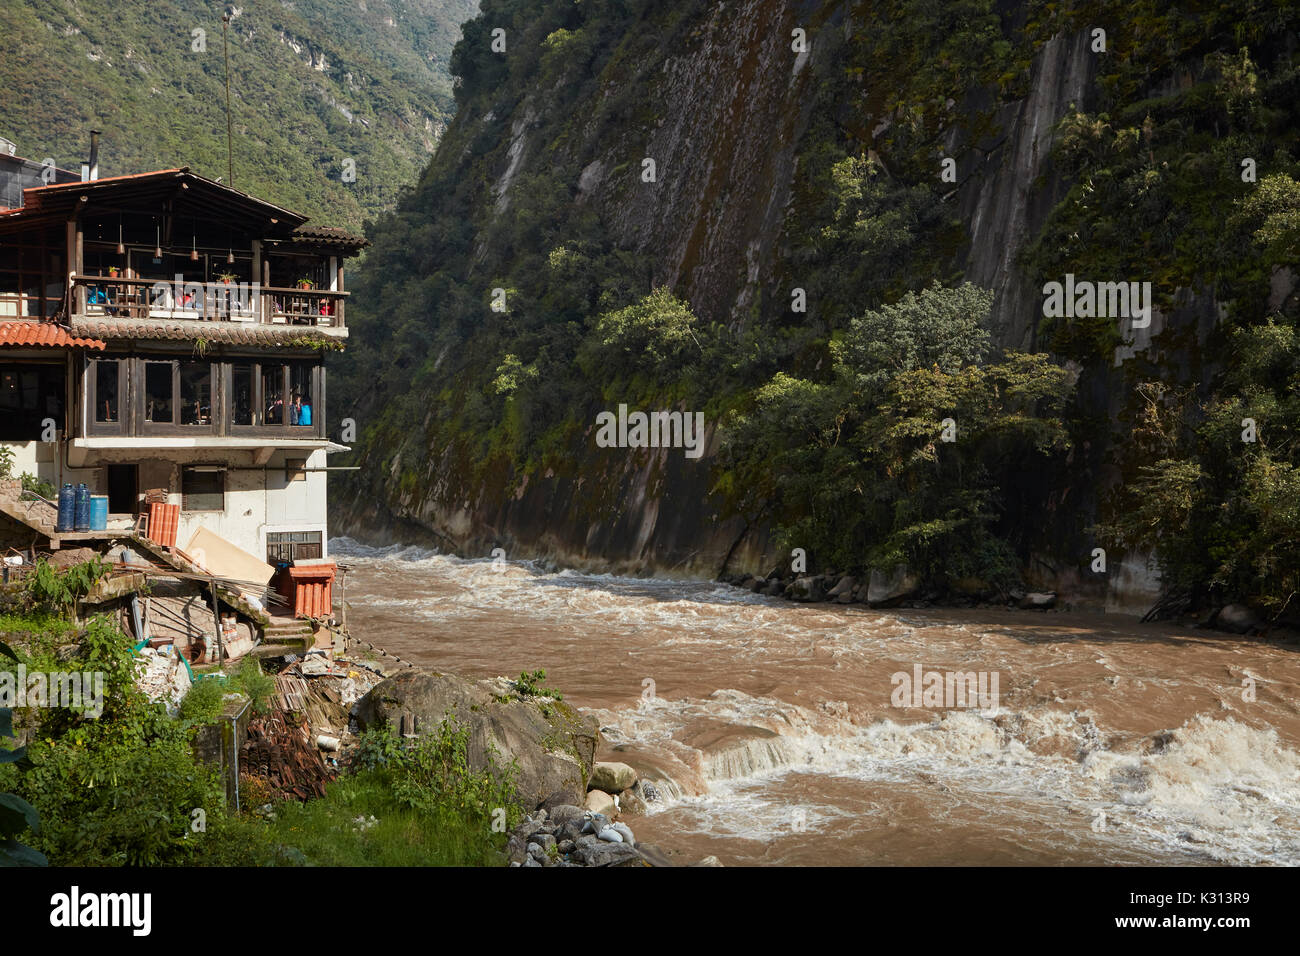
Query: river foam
(768, 729)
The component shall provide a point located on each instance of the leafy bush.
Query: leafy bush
(434, 777)
(377, 747)
(118, 789)
(16, 814)
(202, 705)
(253, 683)
(59, 591)
(38, 486)
(530, 685)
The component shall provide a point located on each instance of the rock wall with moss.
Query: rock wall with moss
(542, 271)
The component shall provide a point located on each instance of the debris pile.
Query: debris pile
(279, 750)
(163, 677)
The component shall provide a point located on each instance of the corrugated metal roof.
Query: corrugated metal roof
(43, 334)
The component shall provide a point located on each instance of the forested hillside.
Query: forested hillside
(314, 83)
(865, 334)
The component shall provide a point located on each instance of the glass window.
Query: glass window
(29, 394)
(241, 395)
(301, 411)
(106, 390)
(203, 488)
(283, 547)
(196, 393)
(158, 392)
(273, 394)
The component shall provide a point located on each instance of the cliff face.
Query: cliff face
(544, 164)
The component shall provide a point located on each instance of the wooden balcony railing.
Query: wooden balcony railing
(119, 298)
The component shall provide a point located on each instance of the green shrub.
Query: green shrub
(257, 686)
(202, 705)
(530, 685)
(55, 591)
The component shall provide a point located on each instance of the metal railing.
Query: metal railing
(117, 298)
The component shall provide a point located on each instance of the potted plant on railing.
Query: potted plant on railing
(113, 272)
(228, 277)
(305, 283)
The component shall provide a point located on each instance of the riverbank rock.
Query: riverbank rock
(807, 588)
(898, 585)
(598, 801)
(612, 777)
(1237, 618)
(631, 803)
(589, 839)
(844, 589)
(1038, 600)
(551, 742)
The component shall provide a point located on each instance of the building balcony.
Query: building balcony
(98, 299)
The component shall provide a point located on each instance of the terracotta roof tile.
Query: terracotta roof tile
(230, 333)
(43, 333)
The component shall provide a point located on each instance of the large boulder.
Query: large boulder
(844, 585)
(885, 589)
(1237, 618)
(552, 744)
(598, 801)
(608, 854)
(807, 588)
(611, 777)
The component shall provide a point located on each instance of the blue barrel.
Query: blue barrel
(67, 508)
(81, 521)
(98, 512)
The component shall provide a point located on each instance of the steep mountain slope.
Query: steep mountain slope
(313, 83)
(797, 209)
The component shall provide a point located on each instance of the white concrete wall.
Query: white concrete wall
(42, 460)
(257, 499)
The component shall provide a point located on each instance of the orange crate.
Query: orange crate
(313, 586)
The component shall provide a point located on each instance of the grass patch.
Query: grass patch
(359, 822)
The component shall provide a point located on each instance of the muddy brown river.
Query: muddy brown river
(779, 733)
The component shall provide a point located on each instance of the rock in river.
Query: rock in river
(552, 743)
(612, 777)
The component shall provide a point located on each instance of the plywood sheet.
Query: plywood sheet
(218, 556)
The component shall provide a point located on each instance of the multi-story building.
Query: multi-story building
(165, 333)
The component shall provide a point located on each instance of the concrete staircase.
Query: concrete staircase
(38, 515)
(285, 635)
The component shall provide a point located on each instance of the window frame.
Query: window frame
(124, 394)
(174, 427)
(285, 539)
(45, 372)
(259, 427)
(219, 470)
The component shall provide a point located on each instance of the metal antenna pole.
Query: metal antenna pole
(225, 44)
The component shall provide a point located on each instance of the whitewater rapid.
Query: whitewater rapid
(769, 730)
